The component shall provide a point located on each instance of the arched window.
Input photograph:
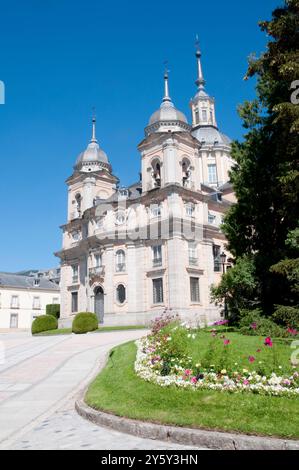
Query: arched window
(121, 293)
(78, 199)
(156, 173)
(120, 261)
(186, 173)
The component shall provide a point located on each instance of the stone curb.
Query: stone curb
(184, 436)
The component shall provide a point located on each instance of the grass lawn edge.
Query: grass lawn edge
(94, 391)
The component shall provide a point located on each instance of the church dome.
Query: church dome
(93, 158)
(167, 112)
(210, 135)
(167, 118)
(92, 154)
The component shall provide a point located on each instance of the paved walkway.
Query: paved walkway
(40, 379)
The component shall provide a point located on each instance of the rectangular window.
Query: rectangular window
(216, 256)
(14, 320)
(190, 209)
(157, 255)
(156, 210)
(211, 218)
(192, 253)
(204, 115)
(74, 302)
(55, 300)
(158, 291)
(194, 289)
(75, 273)
(196, 116)
(14, 301)
(36, 302)
(212, 174)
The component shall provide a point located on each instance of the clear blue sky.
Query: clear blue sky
(60, 58)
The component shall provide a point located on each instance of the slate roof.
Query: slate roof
(26, 282)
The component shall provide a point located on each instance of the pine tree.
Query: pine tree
(266, 175)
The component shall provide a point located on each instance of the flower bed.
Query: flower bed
(162, 358)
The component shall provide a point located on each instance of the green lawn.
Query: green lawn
(68, 331)
(118, 390)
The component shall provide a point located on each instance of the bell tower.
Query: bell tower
(92, 178)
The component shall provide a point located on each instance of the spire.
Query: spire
(166, 87)
(93, 138)
(200, 82)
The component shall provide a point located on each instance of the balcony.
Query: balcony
(96, 271)
(157, 262)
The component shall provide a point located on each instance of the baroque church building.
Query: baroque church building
(129, 253)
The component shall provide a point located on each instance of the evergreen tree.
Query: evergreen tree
(266, 175)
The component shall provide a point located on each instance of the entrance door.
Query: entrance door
(14, 320)
(99, 304)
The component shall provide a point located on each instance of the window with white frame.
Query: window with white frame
(217, 259)
(36, 303)
(192, 253)
(211, 218)
(75, 272)
(190, 209)
(196, 116)
(157, 255)
(156, 210)
(158, 291)
(120, 261)
(212, 174)
(55, 300)
(204, 115)
(194, 289)
(14, 303)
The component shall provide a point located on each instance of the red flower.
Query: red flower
(226, 342)
(251, 359)
(258, 350)
(268, 342)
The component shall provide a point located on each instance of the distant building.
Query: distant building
(130, 252)
(23, 298)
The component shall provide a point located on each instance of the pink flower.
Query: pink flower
(251, 359)
(254, 326)
(226, 342)
(268, 342)
(292, 332)
(246, 382)
(188, 372)
(194, 380)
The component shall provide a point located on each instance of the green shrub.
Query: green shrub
(53, 309)
(85, 322)
(287, 316)
(44, 323)
(252, 323)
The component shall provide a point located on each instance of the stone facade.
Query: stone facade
(130, 253)
(23, 298)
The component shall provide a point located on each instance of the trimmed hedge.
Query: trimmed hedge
(85, 322)
(44, 323)
(53, 309)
